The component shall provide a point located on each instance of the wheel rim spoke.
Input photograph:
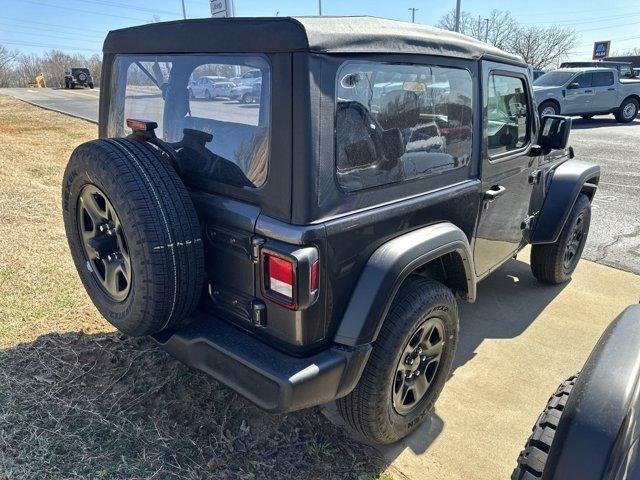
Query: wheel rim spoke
(418, 365)
(104, 242)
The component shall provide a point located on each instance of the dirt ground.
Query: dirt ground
(79, 400)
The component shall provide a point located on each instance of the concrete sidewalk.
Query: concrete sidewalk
(518, 342)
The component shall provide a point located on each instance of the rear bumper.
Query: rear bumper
(271, 379)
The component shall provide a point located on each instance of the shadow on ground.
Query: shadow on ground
(106, 406)
(509, 301)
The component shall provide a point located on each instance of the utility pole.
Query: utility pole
(320, 7)
(486, 32)
(184, 11)
(457, 22)
(413, 14)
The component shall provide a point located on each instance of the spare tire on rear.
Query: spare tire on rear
(133, 233)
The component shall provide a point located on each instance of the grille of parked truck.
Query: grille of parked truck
(311, 244)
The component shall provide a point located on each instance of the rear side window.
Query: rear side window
(602, 79)
(220, 124)
(397, 122)
(508, 114)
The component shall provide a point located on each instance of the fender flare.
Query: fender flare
(388, 267)
(599, 425)
(568, 180)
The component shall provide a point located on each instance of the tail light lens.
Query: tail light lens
(290, 278)
(279, 279)
(314, 281)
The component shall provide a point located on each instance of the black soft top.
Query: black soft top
(292, 34)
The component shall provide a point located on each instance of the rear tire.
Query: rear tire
(628, 111)
(533, 458)
(91, 85)
(151, 277)
(371, 408)
(246, 98)
(555, 262)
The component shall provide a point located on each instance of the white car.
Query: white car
(210, 87)
(248, 77)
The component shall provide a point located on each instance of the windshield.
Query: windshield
(553, 79)
(221, 135)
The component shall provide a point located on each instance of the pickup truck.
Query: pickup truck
(587, 92)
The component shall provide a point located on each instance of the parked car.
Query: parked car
(248, 77)
(285, 250)
(78, 77)
(590, 428)
(248, 92)
(537, 73)
(210, 87)
(636, 72)
(587, 92)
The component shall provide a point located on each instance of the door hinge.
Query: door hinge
(527, 223)
(256, 243)
(535, 176)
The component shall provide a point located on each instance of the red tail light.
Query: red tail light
(314, 281)
(279, 279)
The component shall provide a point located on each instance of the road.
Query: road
(614, 238)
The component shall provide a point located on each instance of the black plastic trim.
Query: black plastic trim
(386, 270)
(566, 184)
(271, 379)
(600, 424)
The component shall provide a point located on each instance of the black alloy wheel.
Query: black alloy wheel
(574, 243)
(418, 365)
(104, 242)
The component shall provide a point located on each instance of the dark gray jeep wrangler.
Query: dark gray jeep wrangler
(310, 247)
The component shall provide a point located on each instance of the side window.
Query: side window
(602, 79)
(508, 115)
(397, 122)
(584, 80)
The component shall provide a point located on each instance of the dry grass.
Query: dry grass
(79, 400)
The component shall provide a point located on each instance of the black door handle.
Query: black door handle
(611, 89)
(494, 192)
(588, 91)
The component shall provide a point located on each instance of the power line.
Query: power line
(29, 29)
(52, 47)
(592, 20)
(101, 14)
(128, 6)
(66, 27)
(62, 37)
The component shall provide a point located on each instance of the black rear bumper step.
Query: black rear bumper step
(271, 379)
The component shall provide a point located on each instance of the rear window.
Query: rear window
(397, 122)
(204, 108)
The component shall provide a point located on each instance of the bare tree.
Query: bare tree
(7, 65)
(498, 29)
(628, 53)
(541, 47)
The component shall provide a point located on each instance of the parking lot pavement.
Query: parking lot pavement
(517, 343)
(614, 238)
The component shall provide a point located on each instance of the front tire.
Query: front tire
(533, 458)
(628, 111)
(548, 108)
(419, 334)
(555, 262)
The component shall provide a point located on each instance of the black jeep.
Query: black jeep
(78, 76)
(311, 246)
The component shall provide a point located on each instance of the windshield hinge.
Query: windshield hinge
(256, 243)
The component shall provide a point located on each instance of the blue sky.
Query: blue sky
(33, 26)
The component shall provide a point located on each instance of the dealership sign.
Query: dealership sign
(600, 49)
(220, 8)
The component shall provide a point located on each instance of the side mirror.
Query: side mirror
(573, 86)
(554, 132)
